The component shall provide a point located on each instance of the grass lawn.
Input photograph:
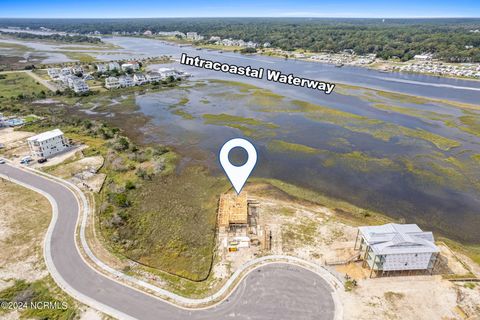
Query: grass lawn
(14, 84)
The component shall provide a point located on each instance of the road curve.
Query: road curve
(275, 291)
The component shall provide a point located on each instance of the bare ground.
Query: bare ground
(24, 219)
(313, 233)
(25, 216)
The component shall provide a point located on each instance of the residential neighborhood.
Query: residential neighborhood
(114, 74)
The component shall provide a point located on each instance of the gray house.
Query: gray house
(396, 247)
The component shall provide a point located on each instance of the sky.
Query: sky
(238, 8)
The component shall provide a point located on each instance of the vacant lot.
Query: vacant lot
(171, 223)
(18, 83)
(24, 218)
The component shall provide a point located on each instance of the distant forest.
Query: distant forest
(54, 37)
(452, 40)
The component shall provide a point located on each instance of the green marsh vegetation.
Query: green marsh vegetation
(283, 146)
(378, 129)
(248, 126)
(439, 166)
(170, 224)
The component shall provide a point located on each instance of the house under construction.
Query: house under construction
(233, 212)
(396, 248)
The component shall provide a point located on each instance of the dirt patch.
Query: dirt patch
(450, 263)
(68, 170)
(83, 172)
(13, 139)
(418, 297)
(25, 218)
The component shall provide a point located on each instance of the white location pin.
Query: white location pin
(238, 175)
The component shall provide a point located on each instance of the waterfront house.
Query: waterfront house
(139, 79)
(112, 83)
(423, 57)
(126, 81)
(166, 72)
(396, 247)
(172, 34)
(194, 36)
(154, 77)
(132, 65)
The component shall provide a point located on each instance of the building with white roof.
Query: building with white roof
(66, 72)
(48, 143)
(154, 77)
(102, 68)
(79, 86)
(194, 36)
(425, 56)
(130, 66)
(77, 70)
(112, 83)
(396, 247)
(166, 72)
(53, 73)
(139, 78)
(126, 81)
(172, 34)
(113, 66)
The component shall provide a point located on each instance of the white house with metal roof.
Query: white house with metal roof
(126, 81)
(48, 143)
(396, 247)
(112, 83)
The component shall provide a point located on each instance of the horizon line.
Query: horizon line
(243, 17)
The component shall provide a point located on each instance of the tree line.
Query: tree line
(54, 37)
(453, 40)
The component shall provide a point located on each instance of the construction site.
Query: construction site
(240, 231)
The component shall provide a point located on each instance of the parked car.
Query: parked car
(42, 160)
(2, 161)
(26, 160)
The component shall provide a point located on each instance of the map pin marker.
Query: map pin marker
(238, 175)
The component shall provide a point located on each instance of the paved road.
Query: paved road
(278, 291)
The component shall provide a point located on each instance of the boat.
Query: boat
(339, 65)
